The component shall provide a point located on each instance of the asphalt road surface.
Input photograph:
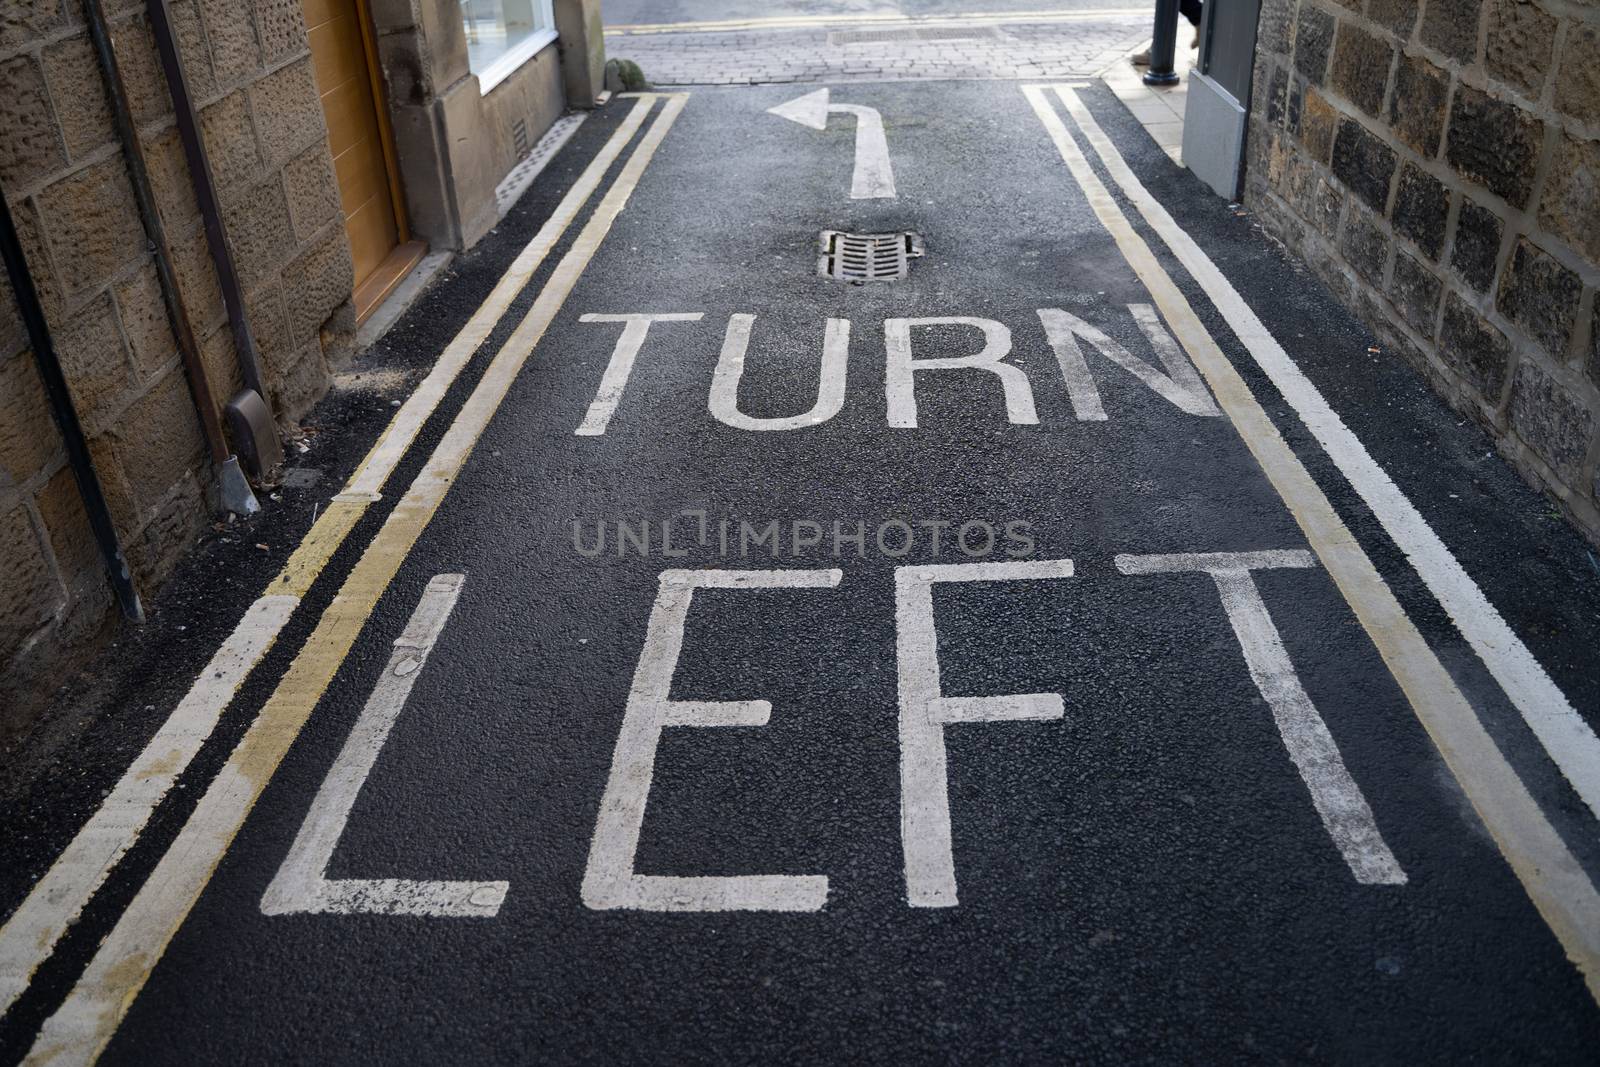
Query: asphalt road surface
(742, 664)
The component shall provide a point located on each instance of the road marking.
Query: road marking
(86, 1021)
(301, 884)
(375, 469)
(724, 399)
(59, 896)
(779, 22)
(872, 177)
(925, 711)
(609, 879)
(900, 368)
(1180, 386)
(620, 368)
(1338, 800)
(1568, 740)
(31, 933)
(1549, 872)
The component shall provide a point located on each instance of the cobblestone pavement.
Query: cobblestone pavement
(1075, 48)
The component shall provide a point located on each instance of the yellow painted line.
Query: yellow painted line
(781, 22)
(1550, 874)
(87, 1019)
(31, 932)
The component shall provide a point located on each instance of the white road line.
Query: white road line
(872, 178)
(380, 462)
(620, 367)
(900, 368)
(89, 1016)
(1180, 386)
(925, 711)
(55, 903)
(1551, 875)
(301, 884)
(59, 897)
(1570, 742)
(609, 879)
(1338, 800)
(724, 399)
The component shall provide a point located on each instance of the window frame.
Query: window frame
(512, 59)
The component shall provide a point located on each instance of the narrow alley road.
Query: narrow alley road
(729, 659)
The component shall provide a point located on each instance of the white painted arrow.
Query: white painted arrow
(873, 177)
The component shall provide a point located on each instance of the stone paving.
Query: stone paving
(1059, 49)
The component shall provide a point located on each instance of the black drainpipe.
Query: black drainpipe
(55, 387)
(254, 431)
(232, 489)
(205, 192)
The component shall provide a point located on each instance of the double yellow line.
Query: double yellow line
(30, 934)
(1549, 872)
(86, 1021)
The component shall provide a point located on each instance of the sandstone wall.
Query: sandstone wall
(1437, 163)
(65, 178)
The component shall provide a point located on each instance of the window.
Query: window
(504, 34)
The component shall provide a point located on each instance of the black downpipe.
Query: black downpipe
(139, 175)
(205, 193)
(55, 387)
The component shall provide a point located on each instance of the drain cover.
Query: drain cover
(867, 257)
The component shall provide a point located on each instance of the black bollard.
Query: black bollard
(1163, 43)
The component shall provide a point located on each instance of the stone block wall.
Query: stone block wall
(65, 178)
(1437, 163)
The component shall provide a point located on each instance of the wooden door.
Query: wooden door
(343, 55)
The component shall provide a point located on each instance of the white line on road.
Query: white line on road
(1552, 876)
(58, 898)
(1338, 800)
(381, 461)
(724, 399)
(1570, 742)
(609, 879)
(1180, 386)
(301, 884)
(55, 903)
(89, 1016)
(925, 711)
(620, 368)
(872, 178)
(900, 368)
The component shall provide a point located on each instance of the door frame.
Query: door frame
(406, 253)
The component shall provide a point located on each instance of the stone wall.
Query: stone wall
(63, 174)
(1437, 163)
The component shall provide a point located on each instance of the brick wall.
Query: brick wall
(1437, 163)
(64, 176)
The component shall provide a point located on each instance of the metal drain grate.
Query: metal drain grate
(516, 183)
(867, 257)
(900, 36)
